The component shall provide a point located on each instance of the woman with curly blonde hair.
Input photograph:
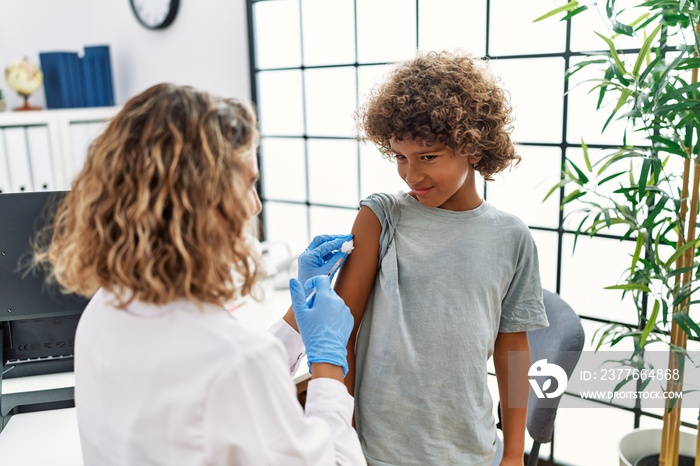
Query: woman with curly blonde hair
(440, 280)
(154, 229)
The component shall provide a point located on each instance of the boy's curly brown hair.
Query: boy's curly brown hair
(443, 97)
(160, 209)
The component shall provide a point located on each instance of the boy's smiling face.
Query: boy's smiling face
(436, 175)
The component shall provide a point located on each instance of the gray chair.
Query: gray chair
(560, 343)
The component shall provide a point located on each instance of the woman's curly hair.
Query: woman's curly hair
(160, 210)
(443, 97)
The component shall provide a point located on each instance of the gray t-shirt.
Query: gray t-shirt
(447, 283)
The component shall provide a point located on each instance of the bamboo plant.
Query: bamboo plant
(653, 90)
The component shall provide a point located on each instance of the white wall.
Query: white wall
(206, 46)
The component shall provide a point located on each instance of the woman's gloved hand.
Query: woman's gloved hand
(324, 323)
(319, 258)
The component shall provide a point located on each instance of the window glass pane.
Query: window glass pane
(584, 121)
(283, 170)
(329, 31)
(333, 172)
(378, 174)
(679, 36)
(511, 20)
(578, 429)
(330, 101)
(327, 220)
(277, 38)
(280, 103)
(287, 223)
(368, 78)
(536, 88)
(546, 242)
(520, 190)
(440, 31)
(596, 264)
(386, 30)
(585, 25)
(647, 422)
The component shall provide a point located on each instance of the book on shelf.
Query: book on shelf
(71, 81)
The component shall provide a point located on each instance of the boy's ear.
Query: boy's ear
(474, 159)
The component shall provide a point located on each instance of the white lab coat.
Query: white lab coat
(177, 385)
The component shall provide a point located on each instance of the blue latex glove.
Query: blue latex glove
(321, 255)
(325, 322)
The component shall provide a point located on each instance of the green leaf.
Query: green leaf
(611, 177)
(623, 382)
(688, 139)
(613, 52)
(641, 18)
(666, 142)
(664, 110)
(622, 28)
(624, 94)
(582, 64)
(651, 66)
(572, 5)
(649, 221)
(637, 252)
(620, 73)
(680, 271)
(586, 159)
(630, 287)
(688, 64)
(573, 13)
(680, 251)
(651, 323)
(643, 176)
(644, 51)
(686, 323)
(555, 188)
(657, 165)
(680, 93)
(661, 83)
(581, 178)
(664, 312)
(572, 196)
(604, 87)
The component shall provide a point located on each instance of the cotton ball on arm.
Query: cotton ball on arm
(347, 247)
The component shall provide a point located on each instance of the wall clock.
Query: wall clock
(155, 14)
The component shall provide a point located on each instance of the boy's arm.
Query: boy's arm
(513, 420)
(356, 277)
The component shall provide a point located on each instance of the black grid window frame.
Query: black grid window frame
(561, 232)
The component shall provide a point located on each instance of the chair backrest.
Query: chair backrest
(560, 343)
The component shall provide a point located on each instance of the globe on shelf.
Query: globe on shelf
(25, 78)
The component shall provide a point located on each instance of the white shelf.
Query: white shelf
(38, 117)
(64, 136)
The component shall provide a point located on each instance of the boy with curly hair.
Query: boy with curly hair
(440, 279)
